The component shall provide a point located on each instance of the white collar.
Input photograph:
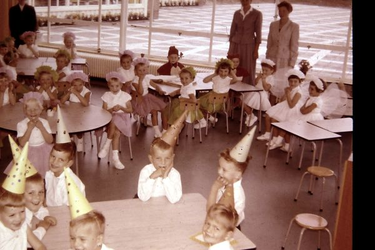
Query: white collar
(243, 12)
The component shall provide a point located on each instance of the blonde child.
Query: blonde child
(172, 67)
(143, 102)
(118, 103)
(127, 69)
(87, 232)
(219, 226)
(11, 62)
(3, 51)
(61, 156)
(29, 49)
(47, 77)
(221, 78)
(36, 131)
(14, 231)
(260, 100)
(69, 45)
(62, 65)
(159, 178)
(10, 42)
(34, 199)
(187, 94)
(286, 110)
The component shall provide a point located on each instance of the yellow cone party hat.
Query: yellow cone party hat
(15, 182)
(241, 150)
(16, 152)
(174, 130)
(78, 203)
(62, 135)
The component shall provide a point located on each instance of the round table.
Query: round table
(77, 118)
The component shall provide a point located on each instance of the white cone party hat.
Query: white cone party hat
(242, 149)
(62, 135)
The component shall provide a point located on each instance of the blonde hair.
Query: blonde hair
(241, 166)
(218, 212)
(160, 144)
(93, 218)
(8, 199)
(35, 179)
(32, 100)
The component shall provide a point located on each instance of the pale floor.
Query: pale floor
(269, 191)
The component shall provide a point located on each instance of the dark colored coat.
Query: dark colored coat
(21, 21)
(165, 69)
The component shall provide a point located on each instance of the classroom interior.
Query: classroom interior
(269, 191)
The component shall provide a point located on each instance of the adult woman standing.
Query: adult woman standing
(245, 37)
(282, 47)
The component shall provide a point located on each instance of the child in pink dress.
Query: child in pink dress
(143, 102)
(118, 103)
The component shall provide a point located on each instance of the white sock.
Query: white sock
(107, 143)
(115, 156)
(279, 139)
(268, 134)
(157, 131)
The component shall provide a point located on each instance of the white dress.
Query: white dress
(316, 113)
(127, 73)
(221, 85)
(224, 245)
(23, 50)
(74, 98)
(259, 100)
(282, 112)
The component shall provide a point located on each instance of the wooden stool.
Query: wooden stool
(192, 107)
(318, 172)
(217, 99)
(312, 222)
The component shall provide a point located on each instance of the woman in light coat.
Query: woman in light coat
(282, 48)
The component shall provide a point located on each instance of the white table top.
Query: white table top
(306, 131)
(77, 118)
(244, 87)
(154, 224)
(28, 66)
(340, 125)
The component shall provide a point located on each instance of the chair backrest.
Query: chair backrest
(62, 87)
(190, 106)
(217, 98)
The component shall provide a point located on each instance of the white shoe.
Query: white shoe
(118, 164)
(103, 152)
(264, 137)
(285, 147)
(275, 145)
(252, 120)
(247, 120)
(80, 145)
(202, 123)
(212, 119)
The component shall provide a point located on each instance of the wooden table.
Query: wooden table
(154, 224)
(28, 66)
(242, 88)
(341, 125)
(306, 132)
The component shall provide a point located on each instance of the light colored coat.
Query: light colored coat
(282, 46)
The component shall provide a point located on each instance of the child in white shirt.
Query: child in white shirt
(127, 69)
(62, 65)
(46, 76)
(62, 156)
(160, 178)
(29, 49)
(219, 226)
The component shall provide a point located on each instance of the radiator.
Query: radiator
(100, 65)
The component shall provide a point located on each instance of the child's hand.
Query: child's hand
(43, 224)
(287, 90)
(157, 173)
(51, 220)
(167, 170)
(31, 124)
(38, 124)
(116, 108)
(219, 183)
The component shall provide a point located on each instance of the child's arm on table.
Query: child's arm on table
(85, 100)
(218, 183)
(172, 184)
(146, 183)
(34, 241)
(157, 88)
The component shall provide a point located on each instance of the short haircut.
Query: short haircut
(294, 77)
(69, 147)
(93, 219)
(125, 56)
(160, 144)
(8, 199)
(32, 100)
(287, 5)
(35, 179)
(241, 166)
(223, 65)
(184, 70)
(219, 212)
(67, 59)
(139, 65)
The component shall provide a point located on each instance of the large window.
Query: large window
(199, 32)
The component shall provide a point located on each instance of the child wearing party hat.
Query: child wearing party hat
(14, 231)
(36, 131)
(219, 226)
(86, 223)
(62, 156)
(172, 67)
(160, 178)
(227, 188)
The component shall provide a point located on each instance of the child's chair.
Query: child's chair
(99, 137)
(138, 117)
(318, 172)
(192, 107)
(311, 222)
(216, 99)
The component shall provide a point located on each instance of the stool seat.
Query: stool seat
(311, 221)
(320, 171)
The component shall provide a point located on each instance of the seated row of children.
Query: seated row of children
(159, 178)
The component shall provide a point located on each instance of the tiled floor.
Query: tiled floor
(269, 191)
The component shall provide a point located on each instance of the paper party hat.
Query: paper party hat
(241, 150)
(78, 203)
(15, 182)
(16, 152)
(170, 136)
(62, 135)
